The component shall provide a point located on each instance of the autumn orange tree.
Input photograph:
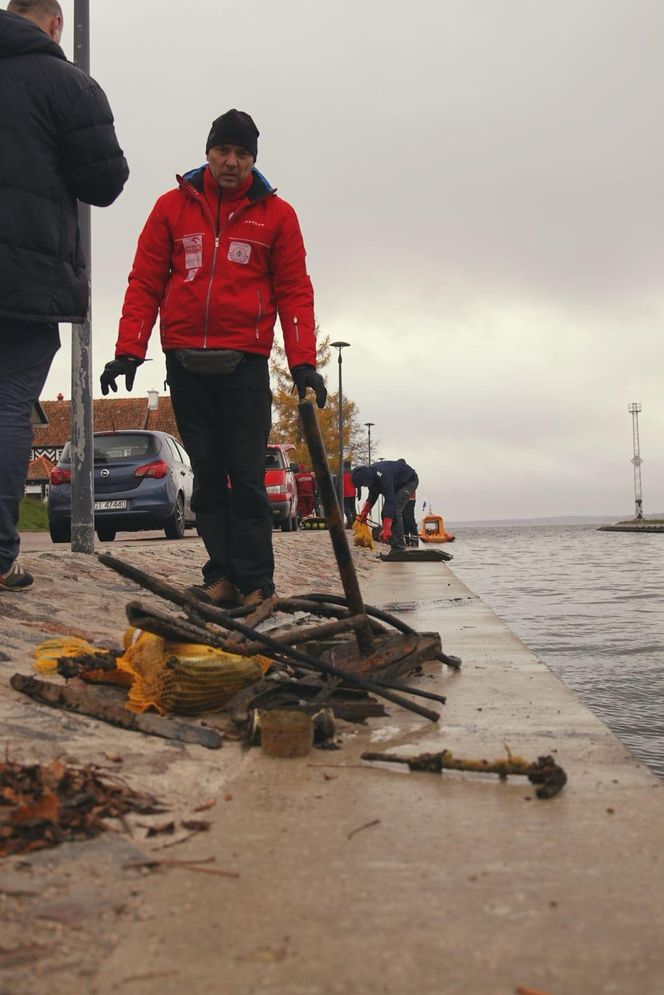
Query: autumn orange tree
(286, 426)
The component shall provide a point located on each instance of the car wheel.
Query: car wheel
(60, 533)
(105, 533)
(295, 523)
(175, 525)
(286, 524)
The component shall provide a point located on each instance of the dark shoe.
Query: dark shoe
(255, 598)
(16, 579)
(222, 593)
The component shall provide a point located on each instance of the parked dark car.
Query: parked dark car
(280, 487)
(142, 480)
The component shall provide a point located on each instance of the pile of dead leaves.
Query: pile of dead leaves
(41, 806)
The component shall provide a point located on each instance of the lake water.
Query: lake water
(589, 604)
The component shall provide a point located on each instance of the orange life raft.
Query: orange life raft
(432, 529)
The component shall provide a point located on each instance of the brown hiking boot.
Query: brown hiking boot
(222, 593)
(255, 598)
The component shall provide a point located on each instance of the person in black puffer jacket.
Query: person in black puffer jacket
(58, 146)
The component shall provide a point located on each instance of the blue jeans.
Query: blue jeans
(26, 353)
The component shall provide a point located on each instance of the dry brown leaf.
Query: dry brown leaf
(46, 809)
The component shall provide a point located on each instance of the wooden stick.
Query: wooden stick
(188, 865)
(85, 702)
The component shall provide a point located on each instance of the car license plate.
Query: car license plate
(110, 505)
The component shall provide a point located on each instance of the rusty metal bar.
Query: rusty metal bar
(335, 523)
(296, 634)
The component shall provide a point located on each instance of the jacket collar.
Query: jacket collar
(19, 36)
(259, 189)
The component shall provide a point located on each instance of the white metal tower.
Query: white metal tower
(634, 408)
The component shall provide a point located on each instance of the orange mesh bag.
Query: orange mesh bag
(186, 678)
(362, 534)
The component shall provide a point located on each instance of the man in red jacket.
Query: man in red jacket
(220, 256)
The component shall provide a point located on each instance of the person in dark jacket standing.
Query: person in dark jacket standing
(219, 257)
(58, 145)
(395, 481)
(350, 494)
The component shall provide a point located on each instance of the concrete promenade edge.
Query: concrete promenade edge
(456, 885)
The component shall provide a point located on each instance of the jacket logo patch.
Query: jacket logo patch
(239, 252)
(193, 251)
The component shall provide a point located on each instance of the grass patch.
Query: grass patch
(33, 516)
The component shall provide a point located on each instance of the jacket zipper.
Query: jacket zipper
(297, 328)
(217, 238)
(209, 293)
(260, 312)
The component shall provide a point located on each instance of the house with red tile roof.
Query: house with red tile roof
(39, 474)
(110, 414)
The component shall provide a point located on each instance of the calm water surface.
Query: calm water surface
(589, 604)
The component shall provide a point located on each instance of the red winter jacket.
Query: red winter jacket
(218, 281)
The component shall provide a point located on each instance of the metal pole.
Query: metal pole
(82, 457)
(335, 523)
(369, 425)
(341, 440)
(340, 479)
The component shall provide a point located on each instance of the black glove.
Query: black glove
(120, 366)
(306, 376)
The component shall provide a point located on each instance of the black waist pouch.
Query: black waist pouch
(210, 362)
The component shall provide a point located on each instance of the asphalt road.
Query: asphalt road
(38, 542)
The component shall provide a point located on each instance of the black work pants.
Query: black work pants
(350, 510)
(225, 422)
(409, 523)
(401, 496)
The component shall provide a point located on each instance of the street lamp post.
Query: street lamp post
(369, 425)
(339, 346)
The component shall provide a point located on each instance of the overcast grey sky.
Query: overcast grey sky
(479, 187)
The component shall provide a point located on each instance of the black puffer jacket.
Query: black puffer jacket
(57, 144)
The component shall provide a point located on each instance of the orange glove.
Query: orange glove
(386, 532)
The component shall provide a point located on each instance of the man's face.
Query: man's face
(230, 165)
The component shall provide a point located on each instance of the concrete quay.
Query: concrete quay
(354, 879)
